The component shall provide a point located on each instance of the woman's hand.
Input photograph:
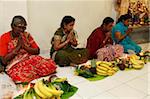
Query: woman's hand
(129, 31)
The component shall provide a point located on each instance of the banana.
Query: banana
(103, 74)
(110, 74)
(53, 97)
(30, 94)
(111, 71)
(53, 90)
(98, 63)
(136, 62)
(25, 96)
(38, 91)
(100, 71)
(58, 97)
(106, 66)
(115, 69)
(43, 88)
(35, 95)
(102, 68)
(60, 79)
(107, 63)
(137, 66)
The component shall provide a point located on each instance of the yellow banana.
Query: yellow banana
(53, 97)
(98, 63)
(115, 69)
(58, 97)
(102, 68)
(103, 74)
(106, 66)
(136, 62)
(38, 91)
(107, 63)
(100, 71)
(111, 71)
(60, 79)
(110, 74)
(138, 66)
(43, 88)
(53, 90)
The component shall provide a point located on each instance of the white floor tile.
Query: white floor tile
(140, 72)
(123, 76)
(147, 97)
(75, 96)
(126, 92)
(144, 77)
(107, 83)
(88, 89)
(139, 84)
(104, 95)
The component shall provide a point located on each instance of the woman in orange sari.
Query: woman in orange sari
(19, 53)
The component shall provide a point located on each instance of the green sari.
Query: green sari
(67, 54)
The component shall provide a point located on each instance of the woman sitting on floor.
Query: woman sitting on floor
(120, 34)
(63, 43)
(100, 44)
(19, 53)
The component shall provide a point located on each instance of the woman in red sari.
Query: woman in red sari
(19, 53)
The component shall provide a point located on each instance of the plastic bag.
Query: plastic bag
(7, 86)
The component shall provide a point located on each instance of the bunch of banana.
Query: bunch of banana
(134, 57)
(105, 68)
(47, 90)
(137, 64)
(30, 94)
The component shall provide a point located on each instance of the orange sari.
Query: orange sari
(25, 67)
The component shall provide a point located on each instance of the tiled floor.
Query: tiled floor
(123, 85)
(132, 84)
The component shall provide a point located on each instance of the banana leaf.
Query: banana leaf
(68, 89)
(96, 77)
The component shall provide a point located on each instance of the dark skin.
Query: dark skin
(107, 28)
(16, 33)
(70, 38)
(119, 36)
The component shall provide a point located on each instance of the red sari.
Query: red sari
(25, 67)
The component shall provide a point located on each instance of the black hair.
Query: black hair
(107, 20)
(124, 17)
(18, 17)
(66, 20)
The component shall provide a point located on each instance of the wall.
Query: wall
(44, 16)
(8, 9)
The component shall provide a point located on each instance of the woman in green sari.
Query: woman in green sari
(64, 41)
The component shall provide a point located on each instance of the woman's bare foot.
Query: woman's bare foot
(73, 64)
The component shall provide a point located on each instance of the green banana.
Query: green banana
(25, 96)
(30, 94)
